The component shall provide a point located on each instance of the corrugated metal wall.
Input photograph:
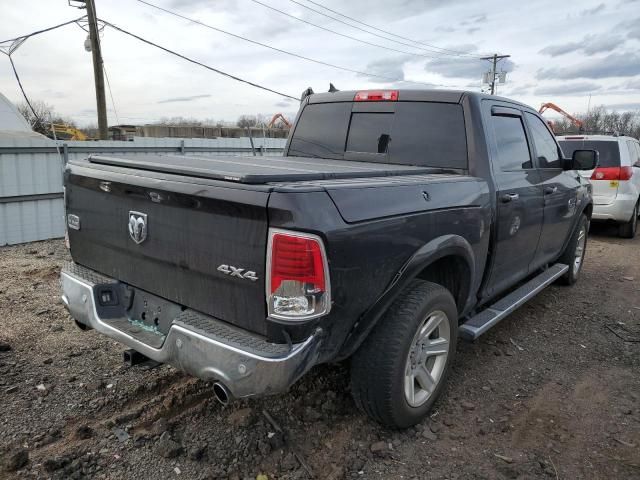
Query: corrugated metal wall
(31, 203)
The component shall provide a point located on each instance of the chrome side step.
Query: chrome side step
(490, 316)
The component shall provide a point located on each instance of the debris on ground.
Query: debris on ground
(501, 415)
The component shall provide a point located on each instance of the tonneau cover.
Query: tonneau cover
(257, 170)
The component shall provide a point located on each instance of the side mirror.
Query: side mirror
(583, 160)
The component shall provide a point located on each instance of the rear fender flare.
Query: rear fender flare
(446, 245)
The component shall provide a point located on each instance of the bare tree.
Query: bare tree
(601, 120)
(247, 121)
(45, 115)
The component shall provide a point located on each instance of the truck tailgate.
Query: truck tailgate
(191, 230)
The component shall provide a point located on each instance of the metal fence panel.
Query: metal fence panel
(31, 220)
(31, 204)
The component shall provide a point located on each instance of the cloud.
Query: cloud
(464, 67)
(392, 68)
(614, 65)
(592, 11)
(590, 44)
(285, 102)
(474, 19)
(562, 49)
(184, 99)
(625, 106)
(576, 88)
(633, 84)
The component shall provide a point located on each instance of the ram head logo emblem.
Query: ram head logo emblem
(138, 226)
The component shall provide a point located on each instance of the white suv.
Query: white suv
(616, 180)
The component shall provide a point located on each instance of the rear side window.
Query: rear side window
(608, 150)
(547, 150)
(321, 131)
(431, 134)
(511, 141)
(416, 133)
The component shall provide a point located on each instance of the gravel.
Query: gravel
(551, 392)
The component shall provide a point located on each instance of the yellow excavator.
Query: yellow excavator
(62, 131)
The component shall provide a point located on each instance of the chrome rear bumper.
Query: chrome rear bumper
(246, 364)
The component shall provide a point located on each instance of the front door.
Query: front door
(519, 200)
(559, 189)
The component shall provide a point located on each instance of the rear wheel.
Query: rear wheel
(629, 229)
(574, 254)
(401, 368)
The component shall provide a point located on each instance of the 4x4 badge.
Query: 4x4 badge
(237, 272)
(137, 226)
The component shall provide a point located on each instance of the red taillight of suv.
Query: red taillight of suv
(297, 286)
(612, 173)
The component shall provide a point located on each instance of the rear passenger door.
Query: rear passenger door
(559, 190)
(519, 202)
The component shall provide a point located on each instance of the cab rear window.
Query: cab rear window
(608, 150)
(415, 133)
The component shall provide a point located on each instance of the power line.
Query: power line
(37, 32)
(286, 52)
(172, 52)
(9, 46)
(387, 32)
(15, 72)
(342, 34)
(429, 49)
(113, 103)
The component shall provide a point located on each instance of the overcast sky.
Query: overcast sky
(560, 51)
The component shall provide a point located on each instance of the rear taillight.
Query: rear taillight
(612, 173)
(297, 276)
(626, 173)
(376, 96)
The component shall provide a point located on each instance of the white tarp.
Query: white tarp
(12, 123)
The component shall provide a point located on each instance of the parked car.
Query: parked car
(616, 180)
(395, 221)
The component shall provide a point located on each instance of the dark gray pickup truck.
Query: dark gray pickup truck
(396, 221)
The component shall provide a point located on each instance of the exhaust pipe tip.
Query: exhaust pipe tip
(222, 393)
(81, 325)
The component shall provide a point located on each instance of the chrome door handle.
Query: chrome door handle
(509, 197)
(550, 190)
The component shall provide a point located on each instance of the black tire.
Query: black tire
(569, 256)
(378, 367)
(629, 229)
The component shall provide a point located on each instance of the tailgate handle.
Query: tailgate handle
(509, 197)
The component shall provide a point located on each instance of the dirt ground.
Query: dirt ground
(552, 392)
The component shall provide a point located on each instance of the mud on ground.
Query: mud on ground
(552, 392)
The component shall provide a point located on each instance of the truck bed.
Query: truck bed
(257, 170)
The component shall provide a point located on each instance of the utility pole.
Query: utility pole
(98, 73)
(494, 59)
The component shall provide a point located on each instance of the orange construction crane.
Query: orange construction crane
(277, 116)
(571, 118)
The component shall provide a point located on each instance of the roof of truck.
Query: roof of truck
(410, 95)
